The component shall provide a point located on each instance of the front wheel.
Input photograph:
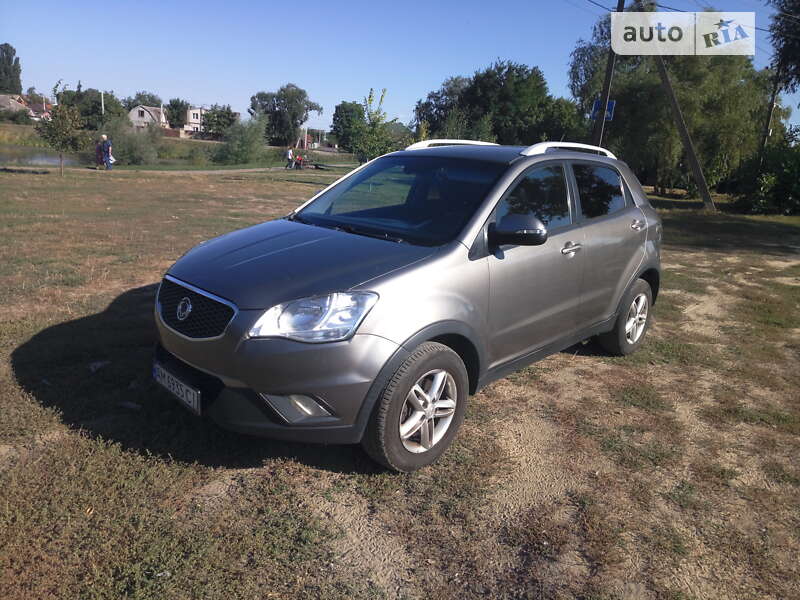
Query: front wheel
(420, 410)
(632, 323)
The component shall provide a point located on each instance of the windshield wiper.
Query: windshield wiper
(347, 229)
(372, 234)
(298, 218)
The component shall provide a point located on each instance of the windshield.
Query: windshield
(417, 199)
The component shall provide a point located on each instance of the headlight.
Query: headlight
(317, 319)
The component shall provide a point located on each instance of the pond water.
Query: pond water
(32, 157)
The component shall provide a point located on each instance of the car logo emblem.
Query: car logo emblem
(184, 308)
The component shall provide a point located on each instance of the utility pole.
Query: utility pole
(776, 88)
(600, 123)
(688, 146)
(694, 162)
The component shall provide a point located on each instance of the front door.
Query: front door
(535, 290)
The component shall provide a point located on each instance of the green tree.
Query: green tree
(10, 70)
(423, 131)
(348, 117)
(133, 146)
(90, 105)
(144, 98)
(514, 94)
(377, 135)
(243, 144)
(285, 111)
(770, 182)
(455, 126)
(482, 130)
(562, 120)
(723, 99)
(436, 107)
(507, 102)
(785, 32)
(33, 96)
(176, 112)
(63, 131)
(217, 120)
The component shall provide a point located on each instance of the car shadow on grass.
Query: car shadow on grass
(96, 371)
(726, 232)
(588, 347)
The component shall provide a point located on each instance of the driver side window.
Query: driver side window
(541, 193)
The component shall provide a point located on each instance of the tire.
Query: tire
(402, 405)
(624, 339)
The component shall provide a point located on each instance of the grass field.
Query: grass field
(670, 474)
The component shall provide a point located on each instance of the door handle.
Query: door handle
(570, 249)
(637, 225)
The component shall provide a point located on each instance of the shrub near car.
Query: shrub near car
(372, 312)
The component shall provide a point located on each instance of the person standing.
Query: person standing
(98, 154)
(289, 158)
(106, 151)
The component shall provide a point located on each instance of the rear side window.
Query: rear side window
(600, 190)
(542, 193)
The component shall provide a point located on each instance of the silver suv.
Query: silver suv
(374, 310)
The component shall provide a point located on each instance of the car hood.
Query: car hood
(282, 260)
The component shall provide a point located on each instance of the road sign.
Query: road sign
(609, 109)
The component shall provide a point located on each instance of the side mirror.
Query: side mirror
(520, 230)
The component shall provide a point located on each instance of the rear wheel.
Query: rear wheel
(420, 410)
(632, 323)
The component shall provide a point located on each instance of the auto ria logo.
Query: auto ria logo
(700, 33)
(724, 31)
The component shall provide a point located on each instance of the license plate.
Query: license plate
(188, 395)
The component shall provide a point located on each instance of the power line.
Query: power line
(767, 52)
(777, 12)
(672, 8)
(589, 11)
(606, 8)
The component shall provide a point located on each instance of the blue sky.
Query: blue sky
(223, 52)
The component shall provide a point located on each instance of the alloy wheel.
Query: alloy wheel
(428, 410)
(637, 319)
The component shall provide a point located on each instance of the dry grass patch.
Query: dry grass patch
(667, 474)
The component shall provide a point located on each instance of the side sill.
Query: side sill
(516, 364)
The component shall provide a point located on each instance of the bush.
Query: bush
(131, 146)
(173, 151)
(775, 187)
(199, 156)
(243, 144)
(20, 117)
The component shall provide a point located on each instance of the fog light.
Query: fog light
(296, 408)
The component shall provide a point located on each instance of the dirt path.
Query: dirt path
(366, 548)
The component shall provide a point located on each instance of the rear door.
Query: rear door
(535, 290)
(614, 230)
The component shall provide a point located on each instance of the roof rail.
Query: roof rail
(433, 143)
(543, 147)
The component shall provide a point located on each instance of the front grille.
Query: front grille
(207, 318)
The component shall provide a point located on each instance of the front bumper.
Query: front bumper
(232, 371)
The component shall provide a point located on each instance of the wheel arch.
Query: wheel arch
(456, 335)
(468, 354)
(461, 339)
(653, 278)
